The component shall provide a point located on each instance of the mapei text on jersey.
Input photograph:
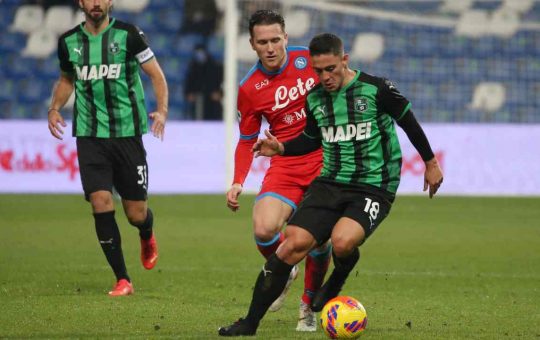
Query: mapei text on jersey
(343, 133)
(95, 72)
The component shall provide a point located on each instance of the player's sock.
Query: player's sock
(331, 288)
(269, 285)
(344, 265)
(270, 247)
(145, 228)
(317, 263)
(109, 238)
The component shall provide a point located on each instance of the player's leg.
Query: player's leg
(363, 214)
(141, 217)
(97, 180)
(316, 266)
(270, 213)
(272, 280)
(346, 237)
(131, 181)
(311, 225)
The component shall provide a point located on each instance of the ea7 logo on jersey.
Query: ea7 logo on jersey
(263, 83)
(343, 133)
(95, 72)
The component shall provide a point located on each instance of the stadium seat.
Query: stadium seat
(521, 6)
(504, 22)
(297, 23)
(28, 18)
(473, 23)
(488, 96)
(40, 44)
(456, 6)
(367, 47)
(58, 19)
(130, 5)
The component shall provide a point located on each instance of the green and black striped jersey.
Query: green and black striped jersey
(357, 133)
(109, 97)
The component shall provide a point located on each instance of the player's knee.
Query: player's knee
(342, 246)
(265, 231)
(101, 201)
(136, 217)
(293, 250)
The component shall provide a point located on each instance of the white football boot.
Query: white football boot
(276, 305)
(307, 321)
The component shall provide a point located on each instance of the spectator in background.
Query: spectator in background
(202, 88)
(199, 16)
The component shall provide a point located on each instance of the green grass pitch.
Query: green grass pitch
(447, 268)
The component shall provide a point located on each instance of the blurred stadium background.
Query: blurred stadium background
(449, 268)
(458, 60)
(472, 66)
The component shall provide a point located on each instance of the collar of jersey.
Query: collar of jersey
(271, 73)
(111, 22)
(344, 88)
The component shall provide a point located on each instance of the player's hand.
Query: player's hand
(267, 147)
(158, 126)
(56, 122)
(433, 177)
(232, 196)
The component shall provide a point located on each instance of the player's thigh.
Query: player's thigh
(130, 168)
(270, 214)
(318, 212)
(368, 209)
(95, 165)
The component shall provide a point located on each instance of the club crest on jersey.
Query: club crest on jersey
(114, 48)
(300, 63)
(360, 104)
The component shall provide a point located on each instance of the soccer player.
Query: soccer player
(351, 114)
(276, 88)
(100, 59)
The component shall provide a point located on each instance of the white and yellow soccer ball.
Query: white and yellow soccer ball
(343, 317)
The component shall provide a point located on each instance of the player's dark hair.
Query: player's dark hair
(326, 43)
(265, 17)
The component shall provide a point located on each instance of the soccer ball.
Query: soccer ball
(343, 317)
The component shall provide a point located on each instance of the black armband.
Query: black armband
(300, 145)
(416, 135)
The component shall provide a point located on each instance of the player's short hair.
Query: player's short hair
(265, 17)
(326, 43)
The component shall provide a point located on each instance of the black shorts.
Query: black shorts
(118, 162)
(324, 203)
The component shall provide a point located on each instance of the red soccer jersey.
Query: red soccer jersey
(279, 97)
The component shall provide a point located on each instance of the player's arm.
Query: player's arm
(399, 108)
(138, 48)
(433, 175)
(308, 141)
(250, 125)
(159, 84)
(61, 92)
